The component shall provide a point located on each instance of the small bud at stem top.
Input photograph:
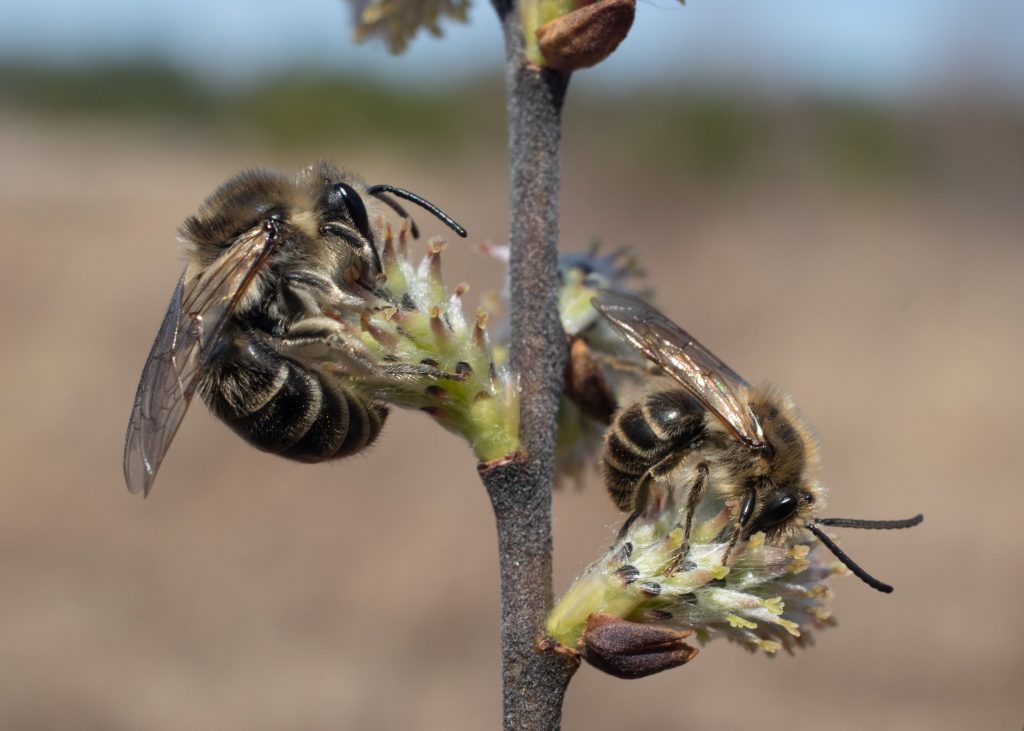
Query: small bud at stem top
(587, 36)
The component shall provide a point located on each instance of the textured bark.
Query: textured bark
(533, 681)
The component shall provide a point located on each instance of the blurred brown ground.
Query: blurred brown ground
(252, 593)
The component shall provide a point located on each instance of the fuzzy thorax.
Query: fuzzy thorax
(779, 470)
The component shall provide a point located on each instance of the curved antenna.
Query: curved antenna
(400, 210)
(856, 523)
(849, 562)
(376, 190)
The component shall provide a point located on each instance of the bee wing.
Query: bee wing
(717, 386)
(195, 320)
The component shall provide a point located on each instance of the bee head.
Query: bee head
(343, 216)
(335, 222)
(778, 511)
(774, 509)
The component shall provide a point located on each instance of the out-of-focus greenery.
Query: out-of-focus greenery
(713, 137)
(296, 109)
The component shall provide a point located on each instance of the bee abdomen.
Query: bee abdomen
(621, 486)
(278, 406)
(345, 425)
(644, 436)
(630, 449)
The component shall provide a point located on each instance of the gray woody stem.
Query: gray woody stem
(533, 682)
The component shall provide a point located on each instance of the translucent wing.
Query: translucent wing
(717, 386)
(195, 320)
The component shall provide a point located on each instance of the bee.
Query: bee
(716, 435)
(271, 262)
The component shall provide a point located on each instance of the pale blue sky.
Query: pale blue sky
(888, 48)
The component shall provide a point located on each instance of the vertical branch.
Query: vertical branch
(533, 682)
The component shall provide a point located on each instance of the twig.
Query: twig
(533, 681)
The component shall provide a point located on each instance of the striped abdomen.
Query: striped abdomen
(278, 406)
(652, 434)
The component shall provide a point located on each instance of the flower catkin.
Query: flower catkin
(422, 351)
(769, 597)
(594, 374)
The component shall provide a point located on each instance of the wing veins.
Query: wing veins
(171, 374)
(682, 357)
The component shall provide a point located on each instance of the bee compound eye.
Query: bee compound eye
(779, 508)
(343, 198)
(747, 510)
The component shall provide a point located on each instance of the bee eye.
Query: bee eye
(343, 197)
(780, 507)
(748, 507)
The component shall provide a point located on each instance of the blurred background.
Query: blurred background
(828, 196)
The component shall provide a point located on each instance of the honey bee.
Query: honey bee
(716, 435)
(271, 261)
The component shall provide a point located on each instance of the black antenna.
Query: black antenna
(376, 190)
(848, 562)
(856, 523)
(400, 210)
(875, 524)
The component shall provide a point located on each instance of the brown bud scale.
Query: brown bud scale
(587, 35)
(632, 649)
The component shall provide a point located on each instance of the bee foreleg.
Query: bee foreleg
(743, 520)
(736, 533)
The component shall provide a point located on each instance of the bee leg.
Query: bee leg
(627, 525)
(643, 495)
(321, 339)
(737, 532)
(742, 521)
(415, 370)
(692, 501)
(311, 288)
